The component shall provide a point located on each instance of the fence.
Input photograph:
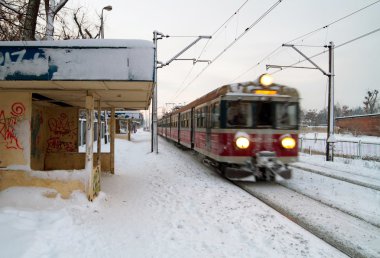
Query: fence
(342, 148)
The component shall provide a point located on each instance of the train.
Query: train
(248, 131)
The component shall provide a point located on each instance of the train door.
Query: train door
(192, 128)
(179, 127)
(208, 128)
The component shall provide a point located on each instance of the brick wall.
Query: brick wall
(360, 125)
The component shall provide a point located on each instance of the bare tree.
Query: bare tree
(51, 9)
(26, 20)
(29, 29)
(11, 19)
(370, 101)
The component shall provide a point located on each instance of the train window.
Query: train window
(204, 115)
(215, 115)
(264, 117)
(239, 114)
(286, 115)
(198, 117)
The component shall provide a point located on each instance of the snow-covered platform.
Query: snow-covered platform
(165, 205)
(119, 72)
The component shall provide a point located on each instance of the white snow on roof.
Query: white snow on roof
(124, 60)
(122, 43)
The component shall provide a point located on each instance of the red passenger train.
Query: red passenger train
(249, 131)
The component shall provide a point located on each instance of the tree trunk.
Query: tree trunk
(51, 10)
(29, 28)
(50, 21)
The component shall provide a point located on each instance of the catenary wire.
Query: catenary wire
(331, 23)
(231, 44)
(337, 46)
(204, 48)
(305, 35)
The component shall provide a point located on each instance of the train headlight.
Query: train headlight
(266, 79)
(242, 140)
(288, 142)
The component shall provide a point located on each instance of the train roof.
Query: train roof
(243, 89)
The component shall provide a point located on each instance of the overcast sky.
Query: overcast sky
(356, 64)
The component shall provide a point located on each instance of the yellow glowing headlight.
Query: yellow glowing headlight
(266, 79)
(242, 142)
(288, 142)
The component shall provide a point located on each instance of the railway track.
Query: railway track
(340, 227)
(349, 234)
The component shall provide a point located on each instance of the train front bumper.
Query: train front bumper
(263, 167)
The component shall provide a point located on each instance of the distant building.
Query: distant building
(360, 124)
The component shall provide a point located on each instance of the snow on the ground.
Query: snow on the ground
(104, 148)
(343, 137)
(165, 205)
(360, 167)
(346, 145)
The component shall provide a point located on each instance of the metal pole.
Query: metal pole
(101, 26)
(330, 125)
(151, 123)
(106, 126)
(330, 121)
(154, 102)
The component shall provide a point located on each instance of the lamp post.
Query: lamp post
(107, 8)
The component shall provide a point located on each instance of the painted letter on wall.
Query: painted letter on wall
(15, 117)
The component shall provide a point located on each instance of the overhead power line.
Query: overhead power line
(232, 43)
(331, 23)
(235, 13)
(337, 46)
(205, 46)
(305, 35)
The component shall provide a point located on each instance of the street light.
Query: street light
(107, 8)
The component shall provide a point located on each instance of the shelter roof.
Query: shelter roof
(118, 72)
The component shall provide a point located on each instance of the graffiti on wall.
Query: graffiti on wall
(19, 63)
(8, 123)
(63, 134)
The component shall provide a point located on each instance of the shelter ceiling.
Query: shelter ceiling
(118, 94)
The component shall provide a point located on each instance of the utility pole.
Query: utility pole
(157, 36)
(330, 121)
(330, 125)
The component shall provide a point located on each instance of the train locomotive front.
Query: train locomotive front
(248, 130)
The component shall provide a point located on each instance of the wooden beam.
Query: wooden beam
(89, 165)
(112, 140)
(99, 150)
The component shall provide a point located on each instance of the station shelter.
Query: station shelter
(44, 85)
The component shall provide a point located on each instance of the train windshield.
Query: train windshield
(279, 115)
(286, 115)
(239, 114)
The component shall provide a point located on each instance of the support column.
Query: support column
(112, 141)
(154, 100)
(89, 163)
(99, 149)
(330, 124)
